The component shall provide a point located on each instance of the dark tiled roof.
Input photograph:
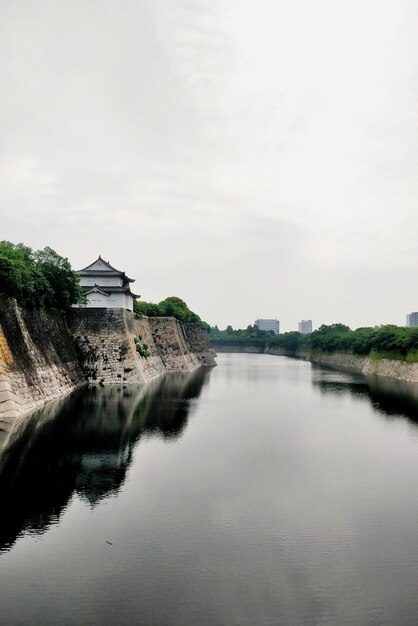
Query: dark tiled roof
(104, 263)
(111, 271)
(94, 288)
(107, 290)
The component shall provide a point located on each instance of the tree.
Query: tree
(64, 282)
(39, 279)
(170, 307)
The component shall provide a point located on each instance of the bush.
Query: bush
(170, 307)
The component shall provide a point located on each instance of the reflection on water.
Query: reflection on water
(387, 395)
(84, 445)
(288, 498)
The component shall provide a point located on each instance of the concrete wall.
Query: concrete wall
(38, 361)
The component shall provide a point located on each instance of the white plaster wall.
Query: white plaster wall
(110, 281)
(113, 301)
(97, 300)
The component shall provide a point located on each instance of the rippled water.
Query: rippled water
(263, 492)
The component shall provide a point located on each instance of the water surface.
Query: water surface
(266, 491)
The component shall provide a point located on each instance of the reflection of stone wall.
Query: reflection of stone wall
(38, 361)
(84, 444)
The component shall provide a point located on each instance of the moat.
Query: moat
(264, 491)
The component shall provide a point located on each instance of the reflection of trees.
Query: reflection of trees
(84, 444)
(387, 395)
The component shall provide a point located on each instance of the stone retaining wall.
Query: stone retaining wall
(38, 361)
(44, 356)
(171, 345)
(223, 347)
(110, 343)
(198, 342)
(388, 368)
(105, 340)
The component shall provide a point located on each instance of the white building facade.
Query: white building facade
(305, 327)
(268, 325)
(105, 287)
(412, 319)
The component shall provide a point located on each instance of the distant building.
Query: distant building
(305, 327)
(105, 287)
(412, 319)
(265, 324)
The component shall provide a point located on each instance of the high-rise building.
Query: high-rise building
(267, 324)
(305, 327)
(412, 319)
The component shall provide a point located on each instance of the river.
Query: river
(266, 491)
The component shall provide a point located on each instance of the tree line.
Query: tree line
(40, 279)
(384, 341)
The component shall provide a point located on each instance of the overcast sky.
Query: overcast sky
(256, 158)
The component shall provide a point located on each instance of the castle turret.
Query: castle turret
(105, 287)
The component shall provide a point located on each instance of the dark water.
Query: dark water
(263, 492)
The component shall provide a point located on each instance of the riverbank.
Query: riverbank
(352, 363)
(234, 348)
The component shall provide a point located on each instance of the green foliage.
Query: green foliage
(395, 342)
(38, 279)
(141, 348)
(170, 307)
(64, 282)
(290, 342)
(379, 342)
(250, 336)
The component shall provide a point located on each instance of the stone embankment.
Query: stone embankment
(105, 341)
(111, 344)
(389, 368)
(43, 357)
(199, 344)
(38, 361)
(226, 347)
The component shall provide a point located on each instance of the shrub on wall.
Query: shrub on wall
(141, 348)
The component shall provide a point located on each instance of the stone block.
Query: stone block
(7, 406)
